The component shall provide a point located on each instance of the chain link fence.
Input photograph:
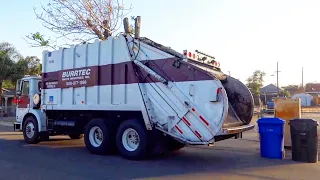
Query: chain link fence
(7, 113)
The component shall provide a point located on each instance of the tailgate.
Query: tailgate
(233, 124)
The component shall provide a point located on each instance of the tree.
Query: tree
(285, 93)
(7, 54)
(79, 20)
(25, 66)
(19, 69)
(10, 51)
(39, 40)
(8, 84)
(13, 66)
(33, 65)
(255, 82)
(292, 89)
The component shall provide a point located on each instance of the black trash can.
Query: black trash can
(304, 140)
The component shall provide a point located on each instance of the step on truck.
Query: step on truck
(133, 96)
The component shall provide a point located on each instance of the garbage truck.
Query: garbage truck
(132, 96)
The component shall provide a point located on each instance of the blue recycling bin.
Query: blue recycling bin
(271, 131)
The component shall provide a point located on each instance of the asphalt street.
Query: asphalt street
(62, 158)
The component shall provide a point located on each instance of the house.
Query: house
(268, 92)
(7, 103)
(312, 88)
(270, 89)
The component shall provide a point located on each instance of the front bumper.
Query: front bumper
(17, 126)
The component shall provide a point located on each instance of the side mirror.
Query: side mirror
(19, 93)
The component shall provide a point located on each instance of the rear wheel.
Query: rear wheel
(174, 145)
(44, 136)
(158, 143)
(30, 130)
(132, 140)
(99, 136)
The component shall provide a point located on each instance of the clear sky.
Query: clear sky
(244, 35)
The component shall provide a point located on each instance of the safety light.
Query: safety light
(201, 57)
(16, 101)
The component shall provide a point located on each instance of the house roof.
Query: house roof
(313, 92)
(271, 88)
(313, 87)
(8, 92)
(4, 89)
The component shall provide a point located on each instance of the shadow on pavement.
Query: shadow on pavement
(66, 156)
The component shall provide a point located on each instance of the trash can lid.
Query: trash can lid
(271, 120)
(309, 122)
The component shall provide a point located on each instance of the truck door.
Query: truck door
(23, 99)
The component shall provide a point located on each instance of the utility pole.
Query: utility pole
(278, 79)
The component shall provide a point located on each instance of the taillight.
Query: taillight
(15, 101)
(218, 90)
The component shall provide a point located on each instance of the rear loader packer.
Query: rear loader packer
(133, 96)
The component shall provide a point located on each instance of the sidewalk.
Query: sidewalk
(7, 121)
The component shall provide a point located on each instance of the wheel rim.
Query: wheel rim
(95, 136)
(130, 139)
(30, 130)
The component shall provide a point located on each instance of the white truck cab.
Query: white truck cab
(28, 100)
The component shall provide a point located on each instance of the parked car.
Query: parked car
(270, 107)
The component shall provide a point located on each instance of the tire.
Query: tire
(158, 144)
(76, 136)
(44, 136)
(130, 149)
(30, 130)
(98, 145)
(174, 145)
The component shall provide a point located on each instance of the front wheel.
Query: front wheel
(30, 130)
(131, 140)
